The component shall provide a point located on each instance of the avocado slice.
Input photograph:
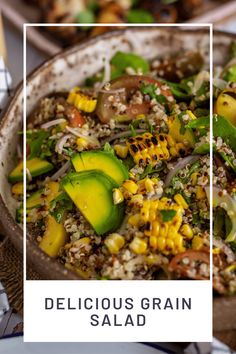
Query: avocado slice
(180, 133)
(54, 237)
(225, 201)
(36, 167)
(101, 160)
(38, 198)
(92, 193)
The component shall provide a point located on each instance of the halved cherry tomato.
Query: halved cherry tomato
(130, 83)
(76, 119)
(176, 265)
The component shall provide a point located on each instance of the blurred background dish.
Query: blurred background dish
(52, 39)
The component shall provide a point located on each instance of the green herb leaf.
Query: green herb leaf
(151, 91)
(107, 147)
(167, 215)
(35, 141)
(224, 129)
(86, 16)
(140, 16)
(121, 61)
(61, 204)
(230, 75)
(200, 123)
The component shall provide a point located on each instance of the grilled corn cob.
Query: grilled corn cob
(150, 148)
(81, 101)
(165, 235)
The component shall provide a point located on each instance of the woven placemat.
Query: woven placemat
(11, 274)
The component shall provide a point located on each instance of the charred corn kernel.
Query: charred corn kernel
(153, 242)
(17, 188)
(82, 143)
(194, 178)
(138, 245)
(81, 101)
(114, 242)
(200, 193)
(149, 148)
(216, 250)
(117, 196)
(137, 199)
(231, 268)
(186, 231)
(181, 201)
(130, 186)
(149, 185)
(197, 242)
(134, 220)
(161, 243)
(121, 150)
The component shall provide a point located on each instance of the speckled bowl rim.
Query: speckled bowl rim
(51, 268)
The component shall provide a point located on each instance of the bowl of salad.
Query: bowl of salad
(117, 159)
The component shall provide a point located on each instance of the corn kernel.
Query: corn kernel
(130, 186)
(186, 231)
(155, 228)
(137, 199)
(153, 259)
(194, 178)
(181, 201)
(134, 220)
(216, 250)
(170, 244)
(82, 242)
(82, 143)
(190, 114)
(149, 185)
(161, 243)
(153, 242)
(197, 242)
(173, 151)
(117, 196)
(81, 101)
(138, 245)
(178, 241)
(200, 193)
(121, 150)
(114, 242)
(17, 188)
(163, 230)
(231, 268)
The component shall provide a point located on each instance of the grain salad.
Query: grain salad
(118, 171)
(224, 182)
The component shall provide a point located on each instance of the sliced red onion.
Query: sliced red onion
(224, 248)
(179, 166)
(91, 139)
(61, 171)
(219, 83)
(61, 142)
(122, 135)
(119, 90)
(52, 123)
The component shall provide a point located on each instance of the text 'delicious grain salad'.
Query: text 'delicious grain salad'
(118, 171)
